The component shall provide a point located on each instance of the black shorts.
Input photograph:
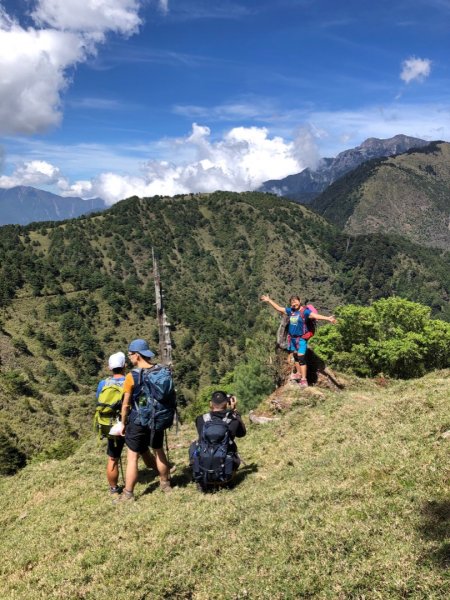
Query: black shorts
(137, 438)
(115, 446)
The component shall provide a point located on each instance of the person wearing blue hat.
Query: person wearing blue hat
(137, 437)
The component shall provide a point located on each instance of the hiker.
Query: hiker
(108, 409)
(214, 457)
(139, 432)
(298, 333)
(116, 364)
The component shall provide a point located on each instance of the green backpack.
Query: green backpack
(108, 408)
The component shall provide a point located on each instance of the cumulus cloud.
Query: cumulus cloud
(35, 62)
(34, 172)
(97, 16)
(306, 148)
(241, 160)
(415, 69)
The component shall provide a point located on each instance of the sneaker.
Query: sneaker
(165, 487)
(295, 376)
(125, 496)
(303, 383)
(118, 489)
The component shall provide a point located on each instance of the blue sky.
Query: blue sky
(116, 97)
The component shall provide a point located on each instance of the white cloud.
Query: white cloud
(415, 69)
(98, 16)
(241, 160)
(35, 172)
(164, 6)
(35, 62)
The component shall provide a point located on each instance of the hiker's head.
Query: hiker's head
(219, 400)
(295, 302)
(138, 349)
(116, 362)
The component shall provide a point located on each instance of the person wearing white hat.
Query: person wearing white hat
(116, 364)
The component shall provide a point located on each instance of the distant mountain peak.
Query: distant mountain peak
(24, 204)
(307, 185)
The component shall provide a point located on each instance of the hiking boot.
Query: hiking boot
(116, 490)
(125, 496)
(165, 487)
(303, 383)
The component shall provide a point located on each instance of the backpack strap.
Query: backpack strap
(302, 314)
(226, 419)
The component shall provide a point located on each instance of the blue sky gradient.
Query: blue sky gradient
(172, 96)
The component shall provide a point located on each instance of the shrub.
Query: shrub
(393, 336)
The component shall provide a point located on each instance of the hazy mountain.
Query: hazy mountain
(23, 204)
(408, 195)
(305, 186)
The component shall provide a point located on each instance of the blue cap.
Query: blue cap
(141, 347)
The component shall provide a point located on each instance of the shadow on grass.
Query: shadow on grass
(435, 526)
(183, 477)
(239, 477)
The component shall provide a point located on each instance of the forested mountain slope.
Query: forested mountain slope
(74, 292)
(408, 194)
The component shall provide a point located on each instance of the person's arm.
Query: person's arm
(237, 427)
(273, 304)
(199, 425)
(317, 317)
(99, 389)
(126, 402)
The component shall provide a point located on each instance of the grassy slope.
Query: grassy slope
(343, 498)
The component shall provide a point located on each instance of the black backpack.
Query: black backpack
(212, 461)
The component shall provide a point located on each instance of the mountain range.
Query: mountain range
(407, 194)
(305, 186)
(24, 204)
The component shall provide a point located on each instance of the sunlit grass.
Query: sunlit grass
(345, 499)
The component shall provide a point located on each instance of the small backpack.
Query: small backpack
(156, 398)
(282, 333)
(309, 325)
(108, 406)
(211, 459)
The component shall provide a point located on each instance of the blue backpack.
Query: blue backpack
(212, 461)
(154, 397)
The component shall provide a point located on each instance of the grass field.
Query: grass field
(345, 498)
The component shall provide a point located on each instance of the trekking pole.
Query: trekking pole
(167, 451)
(121, 470)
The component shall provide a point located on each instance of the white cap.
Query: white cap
(116, 361)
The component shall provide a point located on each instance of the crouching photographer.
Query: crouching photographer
(214, 457)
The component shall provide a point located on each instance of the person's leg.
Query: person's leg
(303, 346)
(112, 472)
(149, 459)
(131, 475)
(114, 451)
(162, 464)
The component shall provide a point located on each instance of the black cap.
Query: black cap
(219, 397)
